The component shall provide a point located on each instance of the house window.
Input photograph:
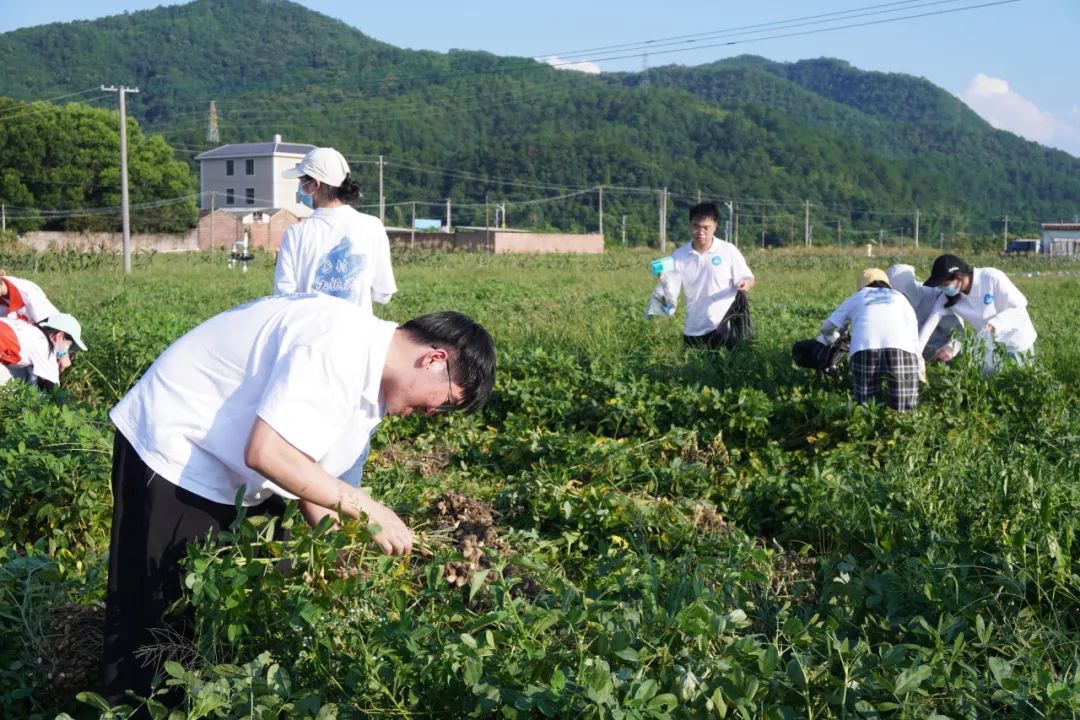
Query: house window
(230, 196)
(249, 195)
(249, 166)
(229, 170)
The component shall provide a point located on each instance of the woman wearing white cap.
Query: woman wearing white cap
(38, 353)
(884, 341)
(337, 251)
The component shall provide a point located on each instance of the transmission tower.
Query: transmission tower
(212, 132)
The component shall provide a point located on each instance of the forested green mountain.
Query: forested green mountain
(864, 148)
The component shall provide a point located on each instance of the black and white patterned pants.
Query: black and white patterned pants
(870, 368)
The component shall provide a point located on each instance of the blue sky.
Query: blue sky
(1014, 62)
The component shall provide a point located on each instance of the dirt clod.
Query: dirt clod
(709, 520)
(470, 525)
(72, 650)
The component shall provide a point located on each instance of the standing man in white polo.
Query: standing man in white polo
(337, 251)
(269, 400)
(715, 280)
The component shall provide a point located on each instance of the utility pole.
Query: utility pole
(736, 228)
(762, 227)
(382, 198)
(624, 231)
(663, 220)
(601, 189)
(727, 225)
(1005, 244)
(839, 235)
(124, 204)
(806, 230)
(916, 227)
(412, 230)
(487, 223)
(699, 197)
(449, 226)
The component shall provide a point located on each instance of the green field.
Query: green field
(629, 530)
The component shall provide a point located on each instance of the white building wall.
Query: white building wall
(284, 190)
(1061, 242)
(267, 186)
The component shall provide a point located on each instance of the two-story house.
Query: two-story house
(247, 176)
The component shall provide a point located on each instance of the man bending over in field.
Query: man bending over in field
(715, 279)
(272, 399)
(884, 341)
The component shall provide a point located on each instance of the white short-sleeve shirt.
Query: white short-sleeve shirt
(880, 318)
(708, 281)
(26, 299)
(310, 366)
(992, 299)
(337, 251)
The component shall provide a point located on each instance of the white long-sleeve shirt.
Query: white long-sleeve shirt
(993, 299)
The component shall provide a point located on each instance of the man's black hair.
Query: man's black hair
(879, 284)
(471, 351)
(705, 211)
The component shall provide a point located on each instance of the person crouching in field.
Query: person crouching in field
(272, 399)
(25, 299)
(715, 280)
(946, 336)
(988, 300)
(38, 354)
(884, 341)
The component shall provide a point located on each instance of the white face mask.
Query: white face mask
(950, 290)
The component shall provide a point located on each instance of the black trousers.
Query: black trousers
(153, 523)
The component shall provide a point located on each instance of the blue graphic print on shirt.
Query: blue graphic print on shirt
(988, 299)
(339, 270)
(879, 296)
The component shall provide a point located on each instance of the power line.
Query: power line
(24, 103)
(760, 27)
(85, 212)
(47, 108)
(803, 32)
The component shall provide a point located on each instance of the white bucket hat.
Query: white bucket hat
(326, 165)
(67, 324)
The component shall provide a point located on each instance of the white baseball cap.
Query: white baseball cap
(326, 165)
(67, 324)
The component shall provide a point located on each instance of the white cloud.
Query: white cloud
(589, 68)
(1005, 109)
